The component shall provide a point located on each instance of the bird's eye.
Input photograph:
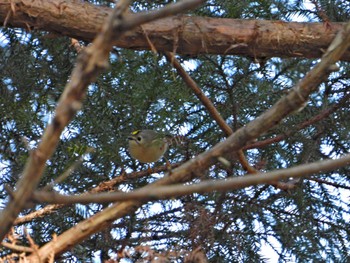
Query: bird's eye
(139, 138)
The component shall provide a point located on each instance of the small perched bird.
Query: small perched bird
(147, 146)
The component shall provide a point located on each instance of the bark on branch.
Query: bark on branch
(188, 35)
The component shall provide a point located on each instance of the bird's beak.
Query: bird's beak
(131, 138)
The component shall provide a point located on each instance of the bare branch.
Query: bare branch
(68, 172)
(215, 114)
(17, 247)
(169, 10)
(166, 192)
(49, 209)
(336, 185)
(199, 93)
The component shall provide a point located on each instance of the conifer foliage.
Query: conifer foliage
(235, 117)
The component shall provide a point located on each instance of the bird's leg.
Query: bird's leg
(149, 169)
(168, 165)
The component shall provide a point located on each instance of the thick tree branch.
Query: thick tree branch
(166, 192)
(188, 35)
(288, 104)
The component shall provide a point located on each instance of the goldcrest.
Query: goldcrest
(147, 146)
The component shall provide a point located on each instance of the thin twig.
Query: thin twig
(77, 46)
(33, 246)
(49, 209)
(199, 93)
(17, 247)
(68, 172)
(321, 181)
(322, 115)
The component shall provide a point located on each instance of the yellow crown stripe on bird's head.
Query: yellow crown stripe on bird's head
(136, 132)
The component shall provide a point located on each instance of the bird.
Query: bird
(147, 146)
